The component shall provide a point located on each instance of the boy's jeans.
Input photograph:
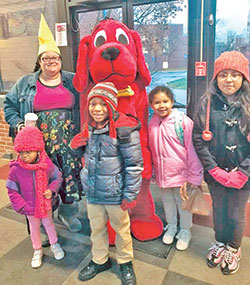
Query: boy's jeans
(119, 220)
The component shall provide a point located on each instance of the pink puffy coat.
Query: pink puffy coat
(174, 163)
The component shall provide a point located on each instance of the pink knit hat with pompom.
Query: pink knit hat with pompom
(29, 139)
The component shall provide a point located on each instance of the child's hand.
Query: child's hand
(47, 194)
(183, 192)
(125, 205)
(184, 189)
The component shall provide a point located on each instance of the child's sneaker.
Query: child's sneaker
(184, 237)
(231, 261)
(57, 251)
(37, 258)
(215, 254)
(170, 233)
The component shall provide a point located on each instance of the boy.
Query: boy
(111, 179)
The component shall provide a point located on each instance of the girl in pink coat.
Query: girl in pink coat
(175, 162)
(32, 182)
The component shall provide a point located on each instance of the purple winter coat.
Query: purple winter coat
(21, 186)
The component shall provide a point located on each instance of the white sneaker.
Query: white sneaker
(170, 233)
(57, 251)
(184, 237)
(37, 258)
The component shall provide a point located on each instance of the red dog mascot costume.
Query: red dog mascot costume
(113, 53)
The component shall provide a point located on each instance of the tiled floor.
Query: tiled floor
(154, 262)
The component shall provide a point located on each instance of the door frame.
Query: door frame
(201, 47)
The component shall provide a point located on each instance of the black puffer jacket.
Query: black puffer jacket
(229, 148)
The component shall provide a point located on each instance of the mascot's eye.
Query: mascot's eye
(122, 37)
(100, 38)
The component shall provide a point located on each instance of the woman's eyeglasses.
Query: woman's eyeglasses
(233, 75)
(48, 59)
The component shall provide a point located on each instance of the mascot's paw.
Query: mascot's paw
(72, 223)
(111, 233)
(147, 230)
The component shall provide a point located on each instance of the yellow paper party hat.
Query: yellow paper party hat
(46, 38)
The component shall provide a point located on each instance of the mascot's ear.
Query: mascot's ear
(141, 64)
(81, 77)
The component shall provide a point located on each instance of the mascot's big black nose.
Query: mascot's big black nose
(110, 53)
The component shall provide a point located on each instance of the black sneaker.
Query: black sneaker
(92, 269)
(128, 274)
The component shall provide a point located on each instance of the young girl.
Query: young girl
(33, 180)
(175, 162)
(221, 138)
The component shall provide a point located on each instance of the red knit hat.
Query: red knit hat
(105, 91)
(108, 93)
(29, 139)
(232, 60)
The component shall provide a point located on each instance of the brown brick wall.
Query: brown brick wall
(6, 145)
(19, 23)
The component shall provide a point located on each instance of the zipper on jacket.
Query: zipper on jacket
(99, 152)
(160, 170)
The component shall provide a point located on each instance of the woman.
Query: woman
(50, 94)
(221, 138)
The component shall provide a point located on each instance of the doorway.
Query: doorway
(163, 30)
(174, 33)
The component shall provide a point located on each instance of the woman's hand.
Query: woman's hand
(47, 194)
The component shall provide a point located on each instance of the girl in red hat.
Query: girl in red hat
(32, 182)
(221, 138)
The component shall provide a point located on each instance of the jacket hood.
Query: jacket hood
(13, 163)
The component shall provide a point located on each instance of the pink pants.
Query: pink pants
(49, 226)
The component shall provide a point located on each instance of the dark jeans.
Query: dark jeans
(229, 213)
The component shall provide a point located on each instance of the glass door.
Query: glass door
(163, 30)
(84, 20)
(233, 27)
(88, 20)
(162, 26)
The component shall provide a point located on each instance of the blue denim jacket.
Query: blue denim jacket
(19, 100)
